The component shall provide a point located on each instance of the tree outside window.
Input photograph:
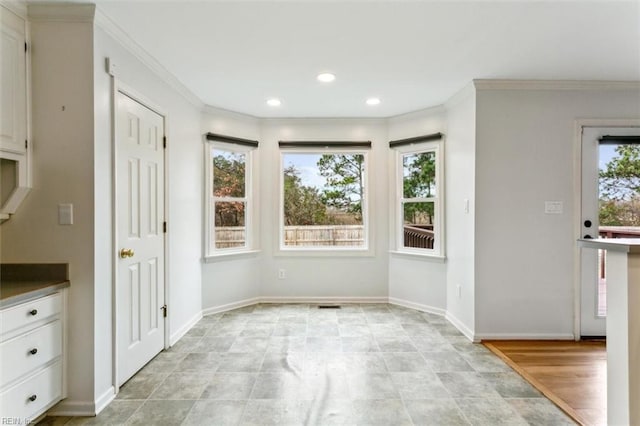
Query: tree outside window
(229, 199)
(620, 186)
(323, 200)
(419, 188)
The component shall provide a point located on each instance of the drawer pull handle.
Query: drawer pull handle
(33, 351)
(33, 398)
(33, 312)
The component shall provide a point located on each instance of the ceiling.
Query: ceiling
(411, 54)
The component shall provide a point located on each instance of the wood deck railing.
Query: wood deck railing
(614, 232)
(418, 236)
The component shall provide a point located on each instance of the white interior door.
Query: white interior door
(593, 282)
(140, 236)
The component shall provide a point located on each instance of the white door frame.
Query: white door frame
(119, 87)
(577, 203)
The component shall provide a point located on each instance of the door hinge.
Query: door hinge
(164, 227)
(25, 46)
(164, 311)
(164, 141)
(26, 144)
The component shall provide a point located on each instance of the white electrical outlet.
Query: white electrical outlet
(282, 274)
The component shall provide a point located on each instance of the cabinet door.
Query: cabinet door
(13, 83)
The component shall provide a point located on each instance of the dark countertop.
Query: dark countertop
(15, 292)
(23, 282)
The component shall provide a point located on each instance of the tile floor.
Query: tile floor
(295, 364)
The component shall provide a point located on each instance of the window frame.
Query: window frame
(211, 252)
(438, 250)
(367, 248)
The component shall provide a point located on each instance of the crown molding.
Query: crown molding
(322, 120)
(468, 91)
(221, 112)
(61, 12)
(112, 29)
(19, 7)
(418, 114)
(482, 84)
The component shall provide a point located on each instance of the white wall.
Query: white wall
(231, 281)
(524, 156)
(414, 281)
(460, 229)
(63, 160)
(72, 99)
(339, 275)
(237, 280)
(183, 170)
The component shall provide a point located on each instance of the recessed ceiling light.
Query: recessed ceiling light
(373, 101)
(274, 102)
(326, 77)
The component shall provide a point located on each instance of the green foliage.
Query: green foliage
(419, 181)
(621, 178)
(418, 213)
(344, 174)
(619, 188)
(303, 205)
(419, 175)
(620, 213)
(228, 175)
(229, 181)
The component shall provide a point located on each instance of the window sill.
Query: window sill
(301, 252)
(221, 257)
(419, 256)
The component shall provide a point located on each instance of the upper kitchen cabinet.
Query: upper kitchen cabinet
(15, 151)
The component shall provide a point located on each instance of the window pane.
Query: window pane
(418, 220)
(228, 174)
(229, 220)
(323, 196)
(419, 175)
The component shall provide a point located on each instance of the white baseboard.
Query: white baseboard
(73, 408)
(184, 329)
(417, 306)
(230, 306)
(525, 336)
(322, 299)
(461, 327)
(287, 299)
(104, 399)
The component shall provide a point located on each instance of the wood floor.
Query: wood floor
(571, 374)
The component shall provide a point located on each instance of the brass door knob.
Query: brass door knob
(124, 253)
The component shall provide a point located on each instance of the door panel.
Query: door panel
(593, 281)
(140, 213)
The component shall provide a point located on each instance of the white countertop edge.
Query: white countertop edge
(626, 245)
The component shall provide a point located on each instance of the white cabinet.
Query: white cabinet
(32, 355)
(15, 153)
(13, 83)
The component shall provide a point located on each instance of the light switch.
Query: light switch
(65, 214)
(553, 207)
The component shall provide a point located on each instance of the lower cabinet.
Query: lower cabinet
(32, 354)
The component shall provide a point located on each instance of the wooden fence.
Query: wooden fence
(325, 235)
(229, 236)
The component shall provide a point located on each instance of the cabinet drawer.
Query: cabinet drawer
(45, 386)
(29, 312)
(29, 351)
